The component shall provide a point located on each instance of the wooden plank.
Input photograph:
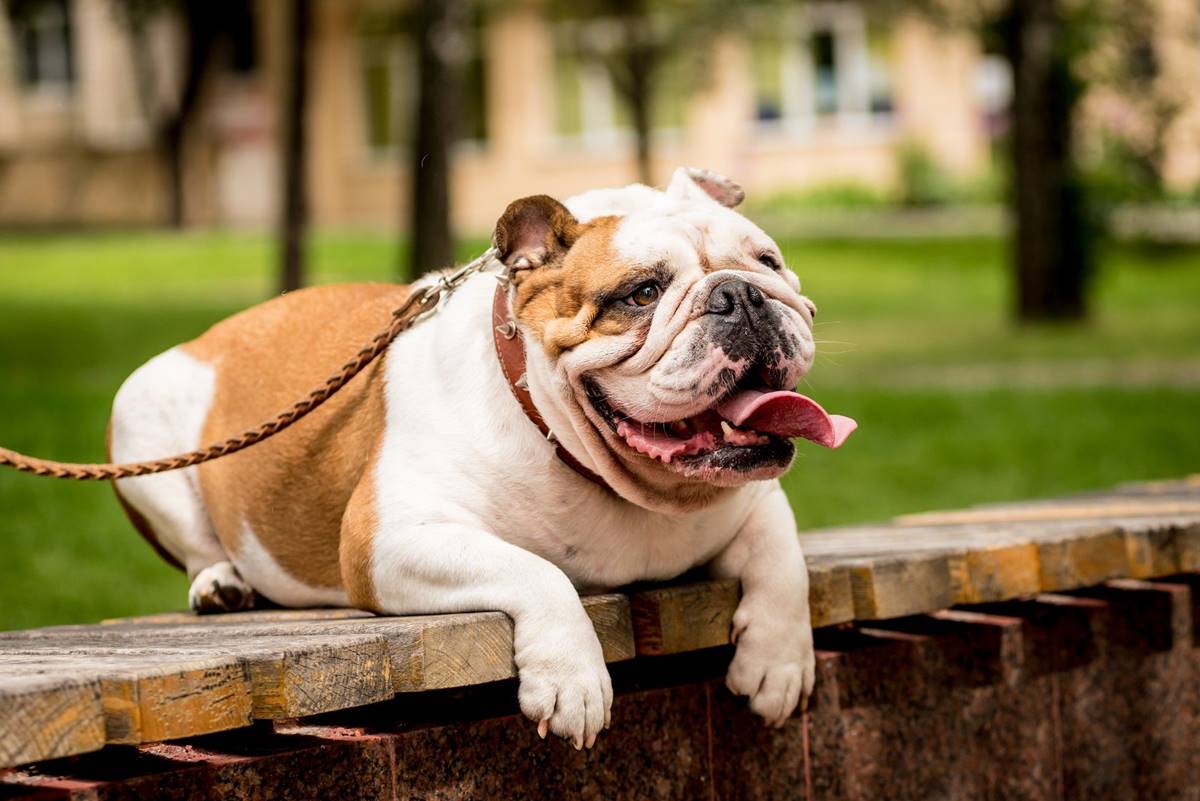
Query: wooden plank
(431, 651)
(440, 651)
(696, 615)
(398, 637)
(147, 696)
(1182, 486)
(1080, 559)
(897, 585)
(683, 617)
(162, 682)
(249, 616)
(461, 650)
(613, 619)
(1187, 548)
(466, 649)
(985, 563)
(1151, 550)
(999, 560)
(320, 674)
(1066, 510)
(994, 572)
(46, 717)
(1064, 553)
(1158, 546)
(830, 598)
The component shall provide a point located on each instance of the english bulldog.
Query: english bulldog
(661, 335)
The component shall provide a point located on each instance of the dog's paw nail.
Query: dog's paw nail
(591, 741)
(577, 742)
(543, 729)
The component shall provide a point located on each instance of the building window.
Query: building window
(819, 66)
(587, 103)
(879, 76)
(827, 97)
(42, 40)
(389, 82)
(389, 66)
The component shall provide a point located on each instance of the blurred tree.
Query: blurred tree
(1053, 252)
(206, 27)
(294, 190)
(1136, 95)
(169, 110)
(652, 32)
(439, 27)
(1049, 45)
(634, 67)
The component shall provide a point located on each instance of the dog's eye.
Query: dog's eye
(645, 294)
(769, 261)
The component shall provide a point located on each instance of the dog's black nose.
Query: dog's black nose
(732, 294)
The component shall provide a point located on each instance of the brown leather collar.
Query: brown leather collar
(510, 350)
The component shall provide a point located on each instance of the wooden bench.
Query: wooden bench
(73, 689)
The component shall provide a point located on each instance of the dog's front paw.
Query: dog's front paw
(774, 666)
(565, 686)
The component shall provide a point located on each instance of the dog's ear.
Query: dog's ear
(694, 183)
(534, 231)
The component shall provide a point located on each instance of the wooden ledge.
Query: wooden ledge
(72, 689)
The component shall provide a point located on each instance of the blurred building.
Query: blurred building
(799, 95)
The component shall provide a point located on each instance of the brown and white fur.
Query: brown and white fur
(423, 488)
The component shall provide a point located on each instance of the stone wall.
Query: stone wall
(1090, 695)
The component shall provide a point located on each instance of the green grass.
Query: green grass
(956, 405)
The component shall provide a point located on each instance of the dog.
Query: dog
(643, 437)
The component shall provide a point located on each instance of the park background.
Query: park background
(995, 205)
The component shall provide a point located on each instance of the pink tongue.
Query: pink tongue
(786, 414)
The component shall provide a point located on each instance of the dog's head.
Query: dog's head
(671, 334)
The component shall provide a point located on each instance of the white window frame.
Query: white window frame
(598, 99)
(400, 61)
(847, 23)
(50, 89)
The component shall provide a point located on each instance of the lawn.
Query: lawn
(955, 404)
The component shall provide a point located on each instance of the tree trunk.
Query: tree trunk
(633, 77)
(439, 30)
(1051, 253)
(171, 144)
(640, 66)
(294, 200)
(171, 125)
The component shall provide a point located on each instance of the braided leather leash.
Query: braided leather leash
(419, 305)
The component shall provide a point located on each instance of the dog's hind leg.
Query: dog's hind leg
(160, 411)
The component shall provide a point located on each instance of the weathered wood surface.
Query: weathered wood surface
(42, 717)
(71, 689)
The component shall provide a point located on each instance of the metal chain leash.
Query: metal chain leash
(421, 304)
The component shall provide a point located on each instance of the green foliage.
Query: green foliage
(1121, 174)
(839, 195)
(955, 406)
(923, 184)
(922, 181)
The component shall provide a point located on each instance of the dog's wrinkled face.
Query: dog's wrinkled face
(674, 329)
